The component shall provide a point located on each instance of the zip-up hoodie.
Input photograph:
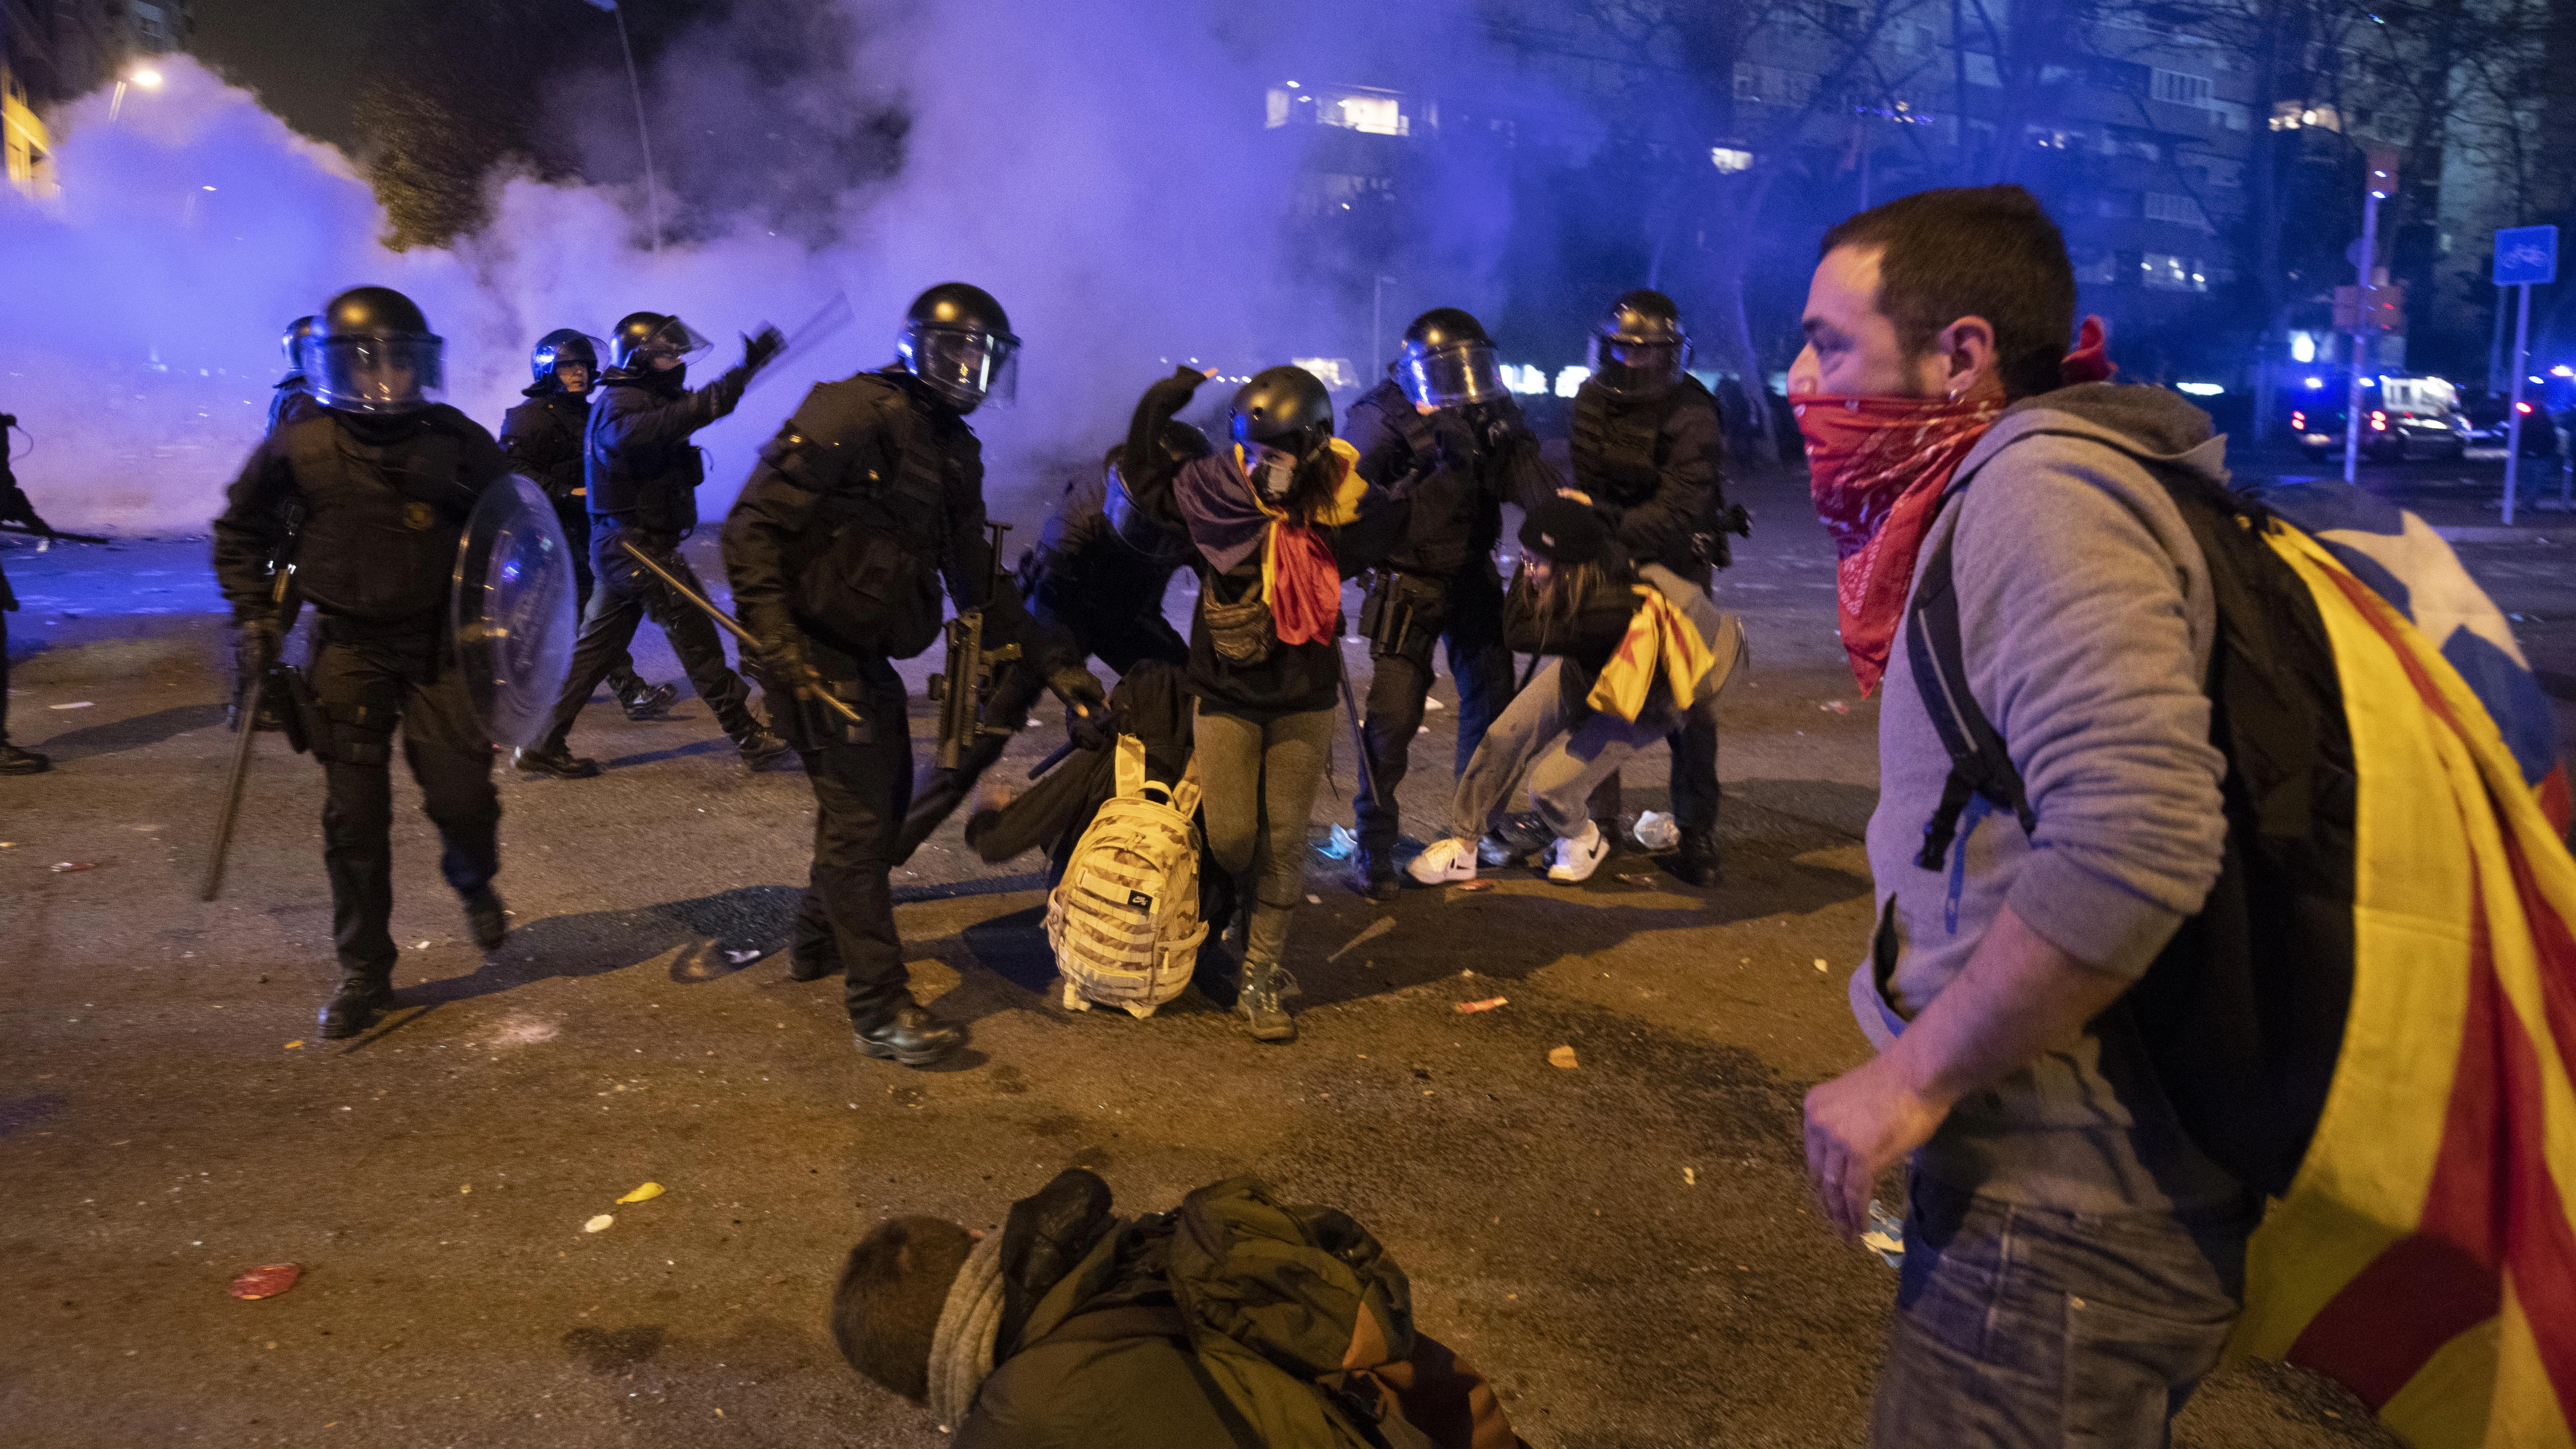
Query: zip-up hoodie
(2086, 624)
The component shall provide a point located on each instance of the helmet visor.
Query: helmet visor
(674, 338)
(580, 349)
(963, 367)
(1452, 377)
(391, 374)
(1637, 369)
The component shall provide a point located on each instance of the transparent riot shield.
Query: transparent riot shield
(515, 610)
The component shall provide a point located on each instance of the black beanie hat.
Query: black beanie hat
(1563, 531)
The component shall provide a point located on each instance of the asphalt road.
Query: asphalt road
(1627, 1247)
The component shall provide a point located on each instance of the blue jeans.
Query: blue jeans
(2020, 1326)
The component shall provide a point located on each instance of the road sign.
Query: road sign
(2526, 256)
(2386, 310)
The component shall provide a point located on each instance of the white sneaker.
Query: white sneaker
(1443, 861)
(1575, 858)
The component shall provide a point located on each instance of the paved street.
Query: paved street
(1626, 1247)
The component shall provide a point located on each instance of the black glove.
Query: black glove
(758, 350)
(784, 663)
(257, 641)
(1174, 392)
(1455, 437)
(1086, 708)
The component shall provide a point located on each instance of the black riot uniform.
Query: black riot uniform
(1086, 581)
(383, 482)
(14, 508)
(1649, 454)
(542, 438)
(643, 475)
(868, 500)
(1459, 465)
(292, 401)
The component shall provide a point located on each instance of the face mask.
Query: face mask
(1275, 472)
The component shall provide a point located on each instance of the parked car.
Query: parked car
(2488, 414)
(2402, 417)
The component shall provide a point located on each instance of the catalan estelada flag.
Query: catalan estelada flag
(1660, 642)
(2424, 1254)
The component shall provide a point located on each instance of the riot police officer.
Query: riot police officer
(867, 501)
(542, 438)
(1443, 431)
(382, 480)
(1097, 575)
(293, 398)
(1649, 457)
(14, 508)
(643, 476)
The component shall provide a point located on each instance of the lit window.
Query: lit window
(2303, 347)
(1727, 158)
(1377, 115)
(1335, 373)
(1570, 378)
(2199, 389)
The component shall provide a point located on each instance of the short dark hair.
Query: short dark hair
(1973, 251)
(885, 1311)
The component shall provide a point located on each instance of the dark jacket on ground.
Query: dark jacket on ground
(1655, 471)
(869, 499)
(1294, 678)
(382, 500)
(1459, 466)
(1235, 1321)
(1149, 703)
(638, 462)
(543, 438)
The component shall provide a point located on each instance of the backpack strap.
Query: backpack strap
(1185, 794)
(1979, 764)
(1131, 767)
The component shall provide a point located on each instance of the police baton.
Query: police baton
(731, 624)
(55, 534)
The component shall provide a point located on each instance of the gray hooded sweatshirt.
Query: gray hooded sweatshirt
(2086, 623)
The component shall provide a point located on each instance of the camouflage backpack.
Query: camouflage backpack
(1124, 922)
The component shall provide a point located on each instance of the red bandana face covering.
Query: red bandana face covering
(1876, 466)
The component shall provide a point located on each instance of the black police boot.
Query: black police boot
(1257, 1001)
(486, 919)
(560, 763)
(356, 1005)
(15, 761)
(643, 701)
(762, 750)
(1373, 873)
(911, 1035)
(1695, 862)
(811, 965)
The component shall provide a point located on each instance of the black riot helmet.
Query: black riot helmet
(957, 340)
(642, 335)
(372, 352)
(1448, 361)
(298, 332)
(560, 346)
(1285, 408)
(1639, 347)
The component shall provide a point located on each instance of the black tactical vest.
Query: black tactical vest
(1618, 451)
(543, 437)
(381, 520)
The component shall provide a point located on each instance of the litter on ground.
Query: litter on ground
(1488, 1004)
(69, 867)
(646, 1193)
(1690, 1177)
(1886, 1236)
(1475, 885)
(1563, 1058)
(265, 1281)
(1340, 846)
(598, 1224)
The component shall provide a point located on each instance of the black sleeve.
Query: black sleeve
(653, 419)
(1688, 492)
(777, 504)
(1386, 453)
(1147, 469)
(252, 525)
(538, 448)
(1380, 530)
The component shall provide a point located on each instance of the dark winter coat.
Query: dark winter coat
(1234, 1320)
(1082, 570)
(293, 401)
(637, 460)
(1459, 466)
(543, 439)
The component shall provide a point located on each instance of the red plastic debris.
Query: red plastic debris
(68, 866)
(1475, 885)
(266, 1281)
(1488, 1004)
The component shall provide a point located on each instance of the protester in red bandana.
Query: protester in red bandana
(2072, 1263)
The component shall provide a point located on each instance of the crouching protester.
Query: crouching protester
(1235, 1319)
(1639, 652)
(2073, 1261)
(1278, 520)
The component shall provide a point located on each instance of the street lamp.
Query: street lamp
(146, 77)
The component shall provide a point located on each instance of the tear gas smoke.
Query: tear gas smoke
(1106, 173)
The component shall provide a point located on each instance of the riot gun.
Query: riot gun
(731, 624)
(962, 692)
(267, 681)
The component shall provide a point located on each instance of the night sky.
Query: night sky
(301, 56)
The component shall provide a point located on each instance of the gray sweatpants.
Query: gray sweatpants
(1566, 748)
(1257, 784)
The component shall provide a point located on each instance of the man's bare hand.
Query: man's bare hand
(1858, 1125)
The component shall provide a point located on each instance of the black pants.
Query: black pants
(1120, 643)
(622, 678)
(1694, 777)
(862, 779)
(625, 595)
(1472, 633)
(363, 687)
